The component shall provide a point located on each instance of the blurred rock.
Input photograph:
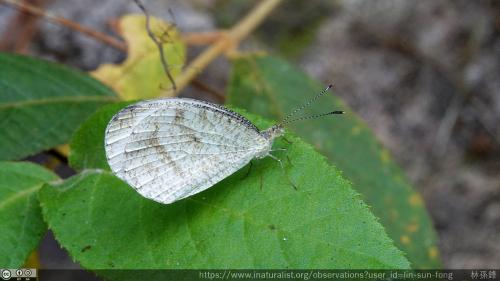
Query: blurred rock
(464, 203)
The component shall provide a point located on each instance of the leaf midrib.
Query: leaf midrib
(55, 100)
(19, 195)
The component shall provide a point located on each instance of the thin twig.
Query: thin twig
(158, 44)
(461, 96)
(23, 6)
(196, 38)
(203, 38)
(229, 39)
(234, 36)
(447, 124)
(480, 107)
(21, 30)
(190, 38)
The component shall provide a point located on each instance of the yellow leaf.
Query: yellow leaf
(141, 75)
(33, 260)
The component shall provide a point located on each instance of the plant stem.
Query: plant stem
(158, 44)
(233, 37)
(22, 6)
(227, 39)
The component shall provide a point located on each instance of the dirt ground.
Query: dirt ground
(423, 74)
(425, 77)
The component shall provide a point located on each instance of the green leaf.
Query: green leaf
(272, 88)
(253, 221)
(87, 144)
(20, 214)
(42, 103)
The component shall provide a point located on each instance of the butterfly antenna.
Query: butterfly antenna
(285, 120)
(313, 116)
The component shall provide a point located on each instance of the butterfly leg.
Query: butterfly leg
(248, 172)
(283, 149)
(289, 161)
(284, 171)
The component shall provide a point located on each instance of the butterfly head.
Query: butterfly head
(278, 130)
(273, 132)
(267, 141)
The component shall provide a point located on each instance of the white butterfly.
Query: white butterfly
(169, 149)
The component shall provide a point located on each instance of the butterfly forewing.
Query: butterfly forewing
(170, 149)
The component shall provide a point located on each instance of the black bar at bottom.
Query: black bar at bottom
(273, 274)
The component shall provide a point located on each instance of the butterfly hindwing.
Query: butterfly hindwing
(169, 149)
